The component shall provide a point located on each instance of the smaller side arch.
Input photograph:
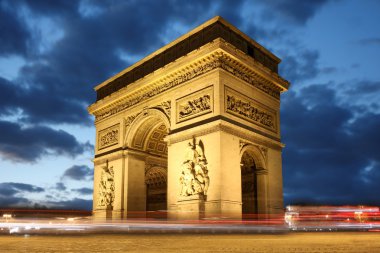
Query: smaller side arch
(255, 152)
(254, 175)
(151, 114)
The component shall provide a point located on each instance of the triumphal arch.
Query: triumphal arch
(192, 129)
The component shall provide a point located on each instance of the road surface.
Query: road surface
(316, 242)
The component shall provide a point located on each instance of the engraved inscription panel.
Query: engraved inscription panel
(194, 105)
(244, 107)
(108, 137)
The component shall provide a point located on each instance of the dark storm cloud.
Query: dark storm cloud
(365, 136)
(274, 19)
(11, 194)
(294, 10)
(56, 7)
(363, 96)
(330, 155)
(14, 35)
(263, 35)
(31, 143)
(11, 188)
(364, 87)
(56, 86)
(300, 67)
(6, 201)
(83, 191)
(230, 11)
(78, 172)
(40, 105)
(14, 195)
(8, 97)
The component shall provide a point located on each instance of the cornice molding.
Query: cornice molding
(248, 64)
(164, 84)
(216, 60)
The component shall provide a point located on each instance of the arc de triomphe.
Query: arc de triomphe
(193, 129)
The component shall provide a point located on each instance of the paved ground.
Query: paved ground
(293, 242)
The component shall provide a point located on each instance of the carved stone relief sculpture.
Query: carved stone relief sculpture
(130, 119)
(194, 105)
(106, 187)
(109, 137)
(164, 86)
(250, 110)
(269, 89)
(202, 68)
(166, 107)
(194, 173)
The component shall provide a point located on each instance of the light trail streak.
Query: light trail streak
(28, 227)
(296, 218)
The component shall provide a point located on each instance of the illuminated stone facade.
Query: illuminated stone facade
(193, 129)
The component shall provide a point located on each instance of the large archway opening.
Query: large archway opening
(249, 186)
(156, 189)
(149, 140)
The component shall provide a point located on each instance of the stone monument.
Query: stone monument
(193, 129)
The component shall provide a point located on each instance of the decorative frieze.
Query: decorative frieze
(218, 61)
(164, 86)
(254, 81)
(241, 106)
(194, 105)
(108, 137)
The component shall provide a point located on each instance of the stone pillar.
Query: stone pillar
(135, 187)
(230, 176)
(261, 175)
(119, 170)
(195, 205)
(223, 198)
(275, 195)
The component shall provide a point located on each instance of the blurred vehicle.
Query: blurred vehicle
(322, 216)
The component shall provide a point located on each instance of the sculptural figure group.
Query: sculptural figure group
(195, 106)
(194, 176)
(106, 187)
